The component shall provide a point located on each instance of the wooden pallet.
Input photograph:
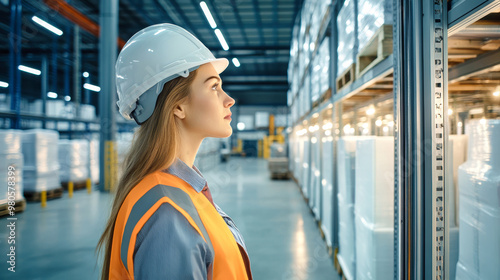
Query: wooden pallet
(19, 207)
(280, 176)
(347, 77)
(37, 196)
(324, 97)
(76, 185)
(378, 48)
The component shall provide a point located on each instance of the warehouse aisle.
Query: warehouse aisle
(283, 240)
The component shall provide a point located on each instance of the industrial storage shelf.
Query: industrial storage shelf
(316, 110)
(378, 72)
(324, 31)
(461, 13)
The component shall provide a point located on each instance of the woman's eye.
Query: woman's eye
(214, 87)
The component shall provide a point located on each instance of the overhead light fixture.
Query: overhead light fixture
(85, 74)
(67, 98)
(47, 25)
(208, 15)
(241, 126)
(91, 87)
(4, 84)
(29, 70)
(236, 62)
(222, 41)
(51, 94)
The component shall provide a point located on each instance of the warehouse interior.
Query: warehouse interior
(364, 138)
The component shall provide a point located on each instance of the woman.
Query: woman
(163, 223)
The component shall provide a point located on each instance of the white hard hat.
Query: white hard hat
(152, 57)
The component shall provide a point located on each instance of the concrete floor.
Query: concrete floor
(283, 240)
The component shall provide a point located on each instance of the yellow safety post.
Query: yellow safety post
(44, 199)
(89, 185)
(266, 147)
(70, 189)
(110, 162)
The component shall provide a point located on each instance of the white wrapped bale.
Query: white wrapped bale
(479, 185)
(324, 61)
(346, 33)
(94, 160)
(374, 194)
(374, 251)
(374, 208)
(11, 159)
(74, 160)
(372, 14)
(41, 163)
(315, 79)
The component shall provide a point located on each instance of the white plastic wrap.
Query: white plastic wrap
(315, 78)
(374, 194)
(324, 61)
(315, 176)
(11, 155)
(374, 207)
(374, 251)
(346, 34)
(87, 112)
(372, 14)
(457, 154)
(327, 188)
(306, 146)
(479, 185)
(74, 160)
(94, 160)
(41, 162)
(346, 158)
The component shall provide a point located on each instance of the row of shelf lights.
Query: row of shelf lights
(217, 31)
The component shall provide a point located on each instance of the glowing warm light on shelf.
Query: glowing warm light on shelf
(450, 111)
(378, 123)
(370, 111)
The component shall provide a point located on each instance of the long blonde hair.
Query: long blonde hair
(154, 148)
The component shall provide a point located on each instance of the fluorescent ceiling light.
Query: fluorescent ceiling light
(47, 25)
(51, 94)
(4, 84)
(221, 39)
(29, 70)
(85, 74)
(236, 62)
(91, 87)
(208, 15)
(67, 98)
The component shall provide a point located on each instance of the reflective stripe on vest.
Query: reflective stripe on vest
(146, 202)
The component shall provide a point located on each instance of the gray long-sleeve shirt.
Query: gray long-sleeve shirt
(167, 246)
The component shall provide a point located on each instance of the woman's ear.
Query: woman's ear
(180, 111)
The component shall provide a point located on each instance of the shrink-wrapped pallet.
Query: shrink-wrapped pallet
(479, 203)
(73, 160)
(374, 251)
(41, 162)
(374, 194)
(346, 33)
(457, 154)
(372, 14)
(11, 165)
(374, 207)
(94, 160)
(346, 159)
(324, 61)
(315, 79)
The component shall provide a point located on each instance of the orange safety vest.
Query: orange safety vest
(230, 259)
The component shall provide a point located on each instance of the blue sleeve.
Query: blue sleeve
(168, 247)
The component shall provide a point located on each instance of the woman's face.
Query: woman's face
(206, 112)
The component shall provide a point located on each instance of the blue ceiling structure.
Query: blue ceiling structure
(258, 33)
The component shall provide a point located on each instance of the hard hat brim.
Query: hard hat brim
(220, 64)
